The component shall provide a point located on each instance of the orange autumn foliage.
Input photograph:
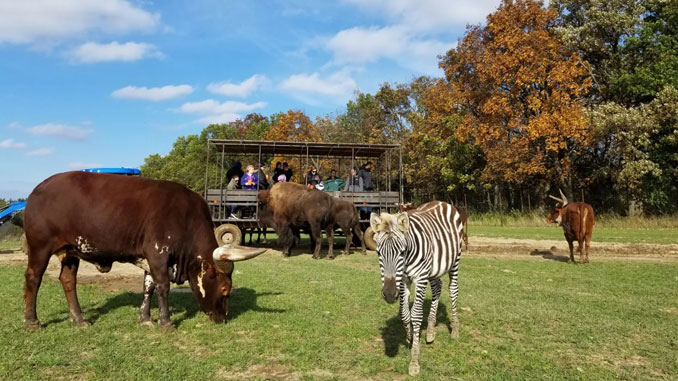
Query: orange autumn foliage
(519, 91)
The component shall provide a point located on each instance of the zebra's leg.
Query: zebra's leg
(405, 309)
(436, 288)
(454, 292)
(417, 315)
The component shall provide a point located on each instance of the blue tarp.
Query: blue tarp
(117, 171)
(9, 211)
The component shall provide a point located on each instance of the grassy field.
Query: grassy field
(298, 318)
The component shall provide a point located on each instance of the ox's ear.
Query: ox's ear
(403, 221)
(209, 270)
(375, 221)
(235, 253)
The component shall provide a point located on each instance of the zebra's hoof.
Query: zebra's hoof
(330, 257)
(414, 369)
(430, 336)
(455, 333)
(147, 323)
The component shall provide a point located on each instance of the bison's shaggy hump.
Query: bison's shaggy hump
(294, 206)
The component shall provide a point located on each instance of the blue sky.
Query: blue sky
(87, 83)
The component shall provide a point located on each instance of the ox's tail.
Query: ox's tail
(582, 220)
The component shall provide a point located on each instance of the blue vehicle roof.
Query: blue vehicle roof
(117, 171)
(11, 209)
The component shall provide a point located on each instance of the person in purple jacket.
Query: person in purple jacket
(250, 179)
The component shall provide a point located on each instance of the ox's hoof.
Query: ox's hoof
(330, 257)
(414, 369)
(32, 324)
(147, 323)
(167, 326)
(315, 257)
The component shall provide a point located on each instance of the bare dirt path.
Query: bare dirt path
(124, 276)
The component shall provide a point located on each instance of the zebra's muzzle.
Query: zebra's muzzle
(389, 291)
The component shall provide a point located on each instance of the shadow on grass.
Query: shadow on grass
(393, 334)
(550, 255)
(183, 305)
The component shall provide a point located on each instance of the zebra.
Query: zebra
(419, 247)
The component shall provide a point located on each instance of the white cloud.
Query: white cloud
(241, 89)
(361, 45)
(430, 15)
(10, 143)
(92, 52)
(153, 93)
(83, 165)
(210, 106)
(40, 152)
(364, 45)
(216, 112)
(60, 131)
(339, 84)
(37, 21)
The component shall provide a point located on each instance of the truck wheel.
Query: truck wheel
(368, 237)
(228, 234)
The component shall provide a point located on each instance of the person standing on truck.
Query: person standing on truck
(287, 171)
(277, 172)
(354, 183)
(365, 173)
(263, 177)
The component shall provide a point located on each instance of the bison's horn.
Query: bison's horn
(235, 253)
(563, 197)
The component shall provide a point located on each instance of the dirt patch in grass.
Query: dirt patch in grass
(272, 371)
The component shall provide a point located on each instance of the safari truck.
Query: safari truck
(386, 195)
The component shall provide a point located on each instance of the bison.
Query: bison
(577, 220)
(346, 216)
(292, 207)
(103, 218)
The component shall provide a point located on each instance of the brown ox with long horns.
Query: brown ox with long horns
(577, 220)
(156, 225)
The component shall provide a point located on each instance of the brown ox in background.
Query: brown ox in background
(103, 218)
(348, 219)
(293, 207)
(577, 220)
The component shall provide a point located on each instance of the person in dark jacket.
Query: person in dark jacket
(313, 178)
(287, 171)
(235, 170)
(263, 177)
(365, 173)
(277, 171)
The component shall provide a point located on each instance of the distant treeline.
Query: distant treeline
(575, 96)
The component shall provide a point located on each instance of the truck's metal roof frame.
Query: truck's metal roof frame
(301, 148)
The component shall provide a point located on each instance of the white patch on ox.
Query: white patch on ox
(202, 290)
(164, 250)
(156, 246)
(84, 246)
(148, 281)
(559, 219)
(169, 237)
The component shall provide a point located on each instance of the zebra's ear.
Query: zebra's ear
(375, 221)
(403, 222)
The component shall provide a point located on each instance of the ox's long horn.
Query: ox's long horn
(563, 197)
(235, 253)
(556, 198)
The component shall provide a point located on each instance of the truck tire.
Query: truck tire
(228, 234)
(368, 237)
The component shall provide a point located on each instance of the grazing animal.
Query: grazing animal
(293, 207)
(419, 246)
(348, 219)
(156, 225)
(577, 220)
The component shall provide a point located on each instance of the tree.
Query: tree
(519, 91)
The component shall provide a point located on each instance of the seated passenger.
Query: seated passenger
(250, 179)
(313, 178)
(334, 183)
(354, 183)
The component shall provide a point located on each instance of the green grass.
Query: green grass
(600, 234)
(9, 245)
(307, 319)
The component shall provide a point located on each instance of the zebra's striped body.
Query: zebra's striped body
(419, 247)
